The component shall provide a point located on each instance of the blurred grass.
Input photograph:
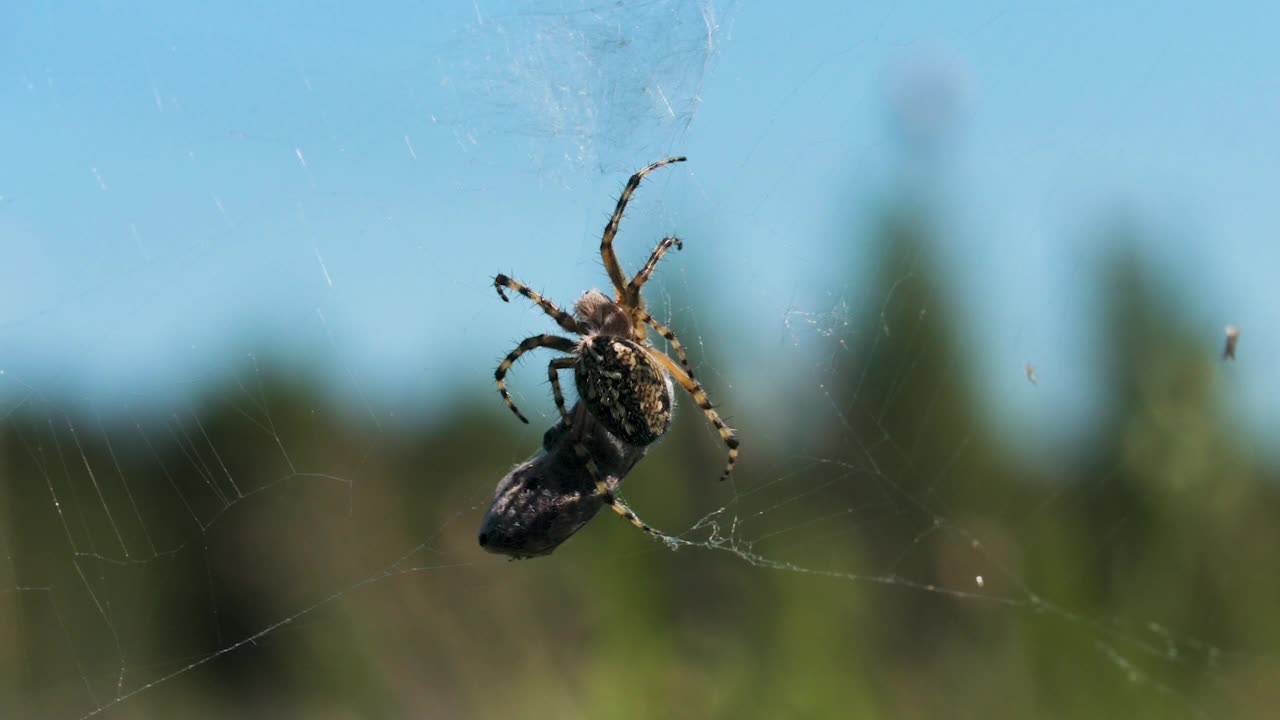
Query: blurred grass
(1135, 580)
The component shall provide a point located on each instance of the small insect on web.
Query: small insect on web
(1233, 337)
(623, 381)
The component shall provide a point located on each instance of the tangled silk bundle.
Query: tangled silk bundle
(542, 502)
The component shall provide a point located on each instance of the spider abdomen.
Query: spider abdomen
(624, 388)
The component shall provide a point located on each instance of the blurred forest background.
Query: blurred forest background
(958, 274)
(1133, 579)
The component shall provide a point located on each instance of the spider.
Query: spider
(623, 381)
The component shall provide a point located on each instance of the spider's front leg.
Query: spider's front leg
(607, 254)
(633, 287)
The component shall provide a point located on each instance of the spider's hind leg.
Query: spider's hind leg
(553, 372)
(555, 342)
(694, 388)
(670, 337)
(607, 495)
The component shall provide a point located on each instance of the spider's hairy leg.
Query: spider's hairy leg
(553, 372)
(610, 230)
(694, 388)
(633, 287)
(555, 342)
(562, 318)
(602, 489)
(670, 337)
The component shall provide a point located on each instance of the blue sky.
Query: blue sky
(182, 185)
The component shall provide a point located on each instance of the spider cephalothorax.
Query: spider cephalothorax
(622, 380)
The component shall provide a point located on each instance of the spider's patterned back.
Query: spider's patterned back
(624, 389)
